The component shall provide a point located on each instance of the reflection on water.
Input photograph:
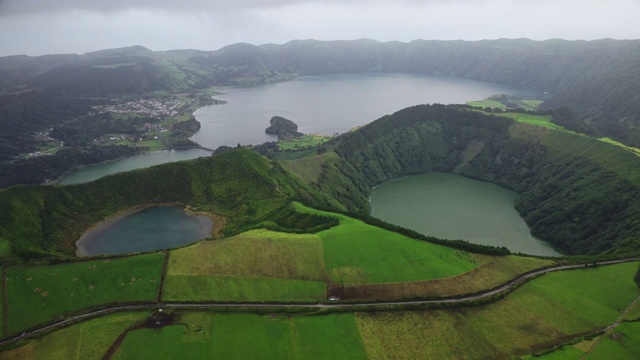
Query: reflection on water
(449, 206)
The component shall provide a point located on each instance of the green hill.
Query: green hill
(578, 193)
(239, 185)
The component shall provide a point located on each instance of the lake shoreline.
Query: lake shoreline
(207, 227)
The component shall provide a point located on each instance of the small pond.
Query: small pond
(149, 229)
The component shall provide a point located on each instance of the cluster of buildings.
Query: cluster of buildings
(145, 107)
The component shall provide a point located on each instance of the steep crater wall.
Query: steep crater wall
(580, 194)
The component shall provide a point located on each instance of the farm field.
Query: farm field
(491, 272)
(259, 265)
(547, 311)
(38, 294)
(87, 340)
(552, 309)
(355, 252)
(247, 336)
(242, 288)
(492, 102)
(538, 120)
(303, 141)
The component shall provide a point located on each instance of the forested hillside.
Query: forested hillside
(24, 113)
(580, 194)
(241, 186)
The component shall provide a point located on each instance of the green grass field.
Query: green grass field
(538, 120)
(623, 343)
(253, 253)
(247, 336)
(491, 272)
(87, 340)
(258, 265)
(38, 294)
(522, 103)
(544, 312)
(355, 252)
(241, 288)
(303, 141)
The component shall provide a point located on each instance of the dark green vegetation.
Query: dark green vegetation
(246, 189)
(578, 193)
(283, 128)
(594, 82)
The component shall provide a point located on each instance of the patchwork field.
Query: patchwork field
(358, 261)
(38, 294)
(545, 312)
(87, 340)
(242, 288)
(492, 272)
(247, 336)
(258, 265)
(355, 252)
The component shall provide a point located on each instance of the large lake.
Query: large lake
(318, 104)
(150, 229)
(331, 104)
(449, 206)
(136, 161)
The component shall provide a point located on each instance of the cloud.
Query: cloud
(76, 26)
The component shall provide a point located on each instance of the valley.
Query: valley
(299, 262)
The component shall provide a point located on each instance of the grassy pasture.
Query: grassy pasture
(247, 336)
(619, 144)
(303, 141)
(624, 343)
(258, 265)
(542, 313)
(163, 343)
(87, 340)
(522, 103)
(253, 253)
(491, 272)
(241, 288)
(538, 120)
(38, 294)
(355, 252)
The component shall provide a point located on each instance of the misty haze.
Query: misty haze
(294, 179)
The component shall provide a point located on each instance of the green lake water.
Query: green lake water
(449, 206)
(150, 229)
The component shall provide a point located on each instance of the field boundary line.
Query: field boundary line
(163, 276)
(5, 304)
(371, 306)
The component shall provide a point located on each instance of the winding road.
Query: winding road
(336, 305)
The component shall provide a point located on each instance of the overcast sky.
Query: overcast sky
(36, 27)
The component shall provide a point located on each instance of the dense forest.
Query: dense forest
(580, 194)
